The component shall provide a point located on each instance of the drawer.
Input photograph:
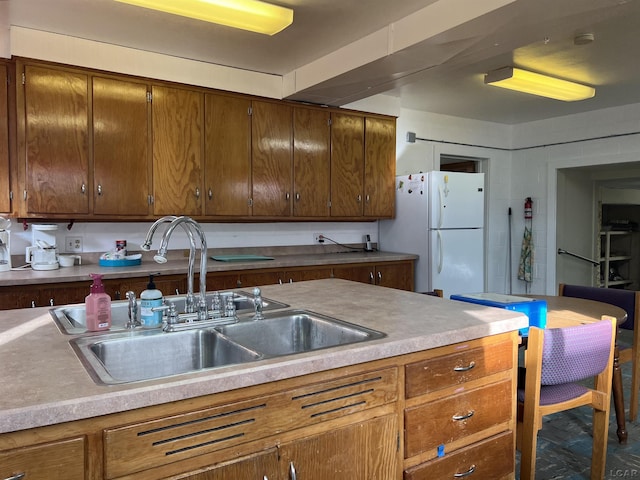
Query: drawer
(63, 459)
(441, 422)
(491, 459)
(144, 445)
(449, 370)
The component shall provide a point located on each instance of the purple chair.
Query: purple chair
(629, 301)
(557, 361)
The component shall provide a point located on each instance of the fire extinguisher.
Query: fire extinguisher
(528, 208)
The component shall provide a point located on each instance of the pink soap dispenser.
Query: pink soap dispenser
(98, 306)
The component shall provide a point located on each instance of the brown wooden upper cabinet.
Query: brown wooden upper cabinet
(122, 167)
(108, 146)
(177, 119)
(227, 155)
(379, 167)
(56, 140)
(5, 186)
(311, 162)
(271, 150)
(347, 165)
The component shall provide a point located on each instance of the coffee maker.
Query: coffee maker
(5, 245)
(43, 254)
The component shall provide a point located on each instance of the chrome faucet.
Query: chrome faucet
(189, 224)
(190, 304)
(257, 303)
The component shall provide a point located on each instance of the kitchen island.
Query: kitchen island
(49, 401)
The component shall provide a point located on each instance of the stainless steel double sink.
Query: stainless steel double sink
(132, 356)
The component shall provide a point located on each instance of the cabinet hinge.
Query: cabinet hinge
(250, 111)
(150, 199)
(11, 195)
(398, 442)
(149, 97)
(24, 194)
(250, 202)
(329, 121)
(24, 78)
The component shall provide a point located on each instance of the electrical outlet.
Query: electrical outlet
(318, 238)
(73, 244)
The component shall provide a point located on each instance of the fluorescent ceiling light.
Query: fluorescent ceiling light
(251, 15)
(537, 84)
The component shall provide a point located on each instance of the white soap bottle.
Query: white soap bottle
(150, 298)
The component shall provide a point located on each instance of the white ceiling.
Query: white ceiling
(442, 72)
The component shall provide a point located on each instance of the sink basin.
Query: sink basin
(72, 320)
(296, 331)
(132, 356)
(144, 355)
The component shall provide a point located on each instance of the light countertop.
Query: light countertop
(43, 381)
(178, 264)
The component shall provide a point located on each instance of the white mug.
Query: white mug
(69, 260)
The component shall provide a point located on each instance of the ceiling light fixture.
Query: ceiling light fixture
(537, 84)
(251, 15)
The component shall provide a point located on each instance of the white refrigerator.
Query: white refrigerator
(440, 217)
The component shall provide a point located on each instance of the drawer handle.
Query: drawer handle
(465, 369)
(17, 476)
(457, 418)
(292, 472)
(465, 474)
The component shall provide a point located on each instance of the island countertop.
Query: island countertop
(45, 383)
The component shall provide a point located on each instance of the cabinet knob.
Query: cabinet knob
(359, 198)
(367, 198)
(99, 189)
(292, 472)
(464, 416)
(83, 188)
(465, 474)
(371, 277)
(16, 476)
(210, 194)
(465, 368)
(297, 197)
(197, 193)
(379, 277)
(287, 196)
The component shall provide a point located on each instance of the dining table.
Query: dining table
(570, 311)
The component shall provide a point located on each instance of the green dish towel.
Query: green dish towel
(240, 258)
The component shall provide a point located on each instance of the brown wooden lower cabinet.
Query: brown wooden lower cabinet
(388, 274)
(59, 459)
(343, 423)
(394, 275)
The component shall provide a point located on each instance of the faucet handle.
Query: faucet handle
(257, 303)
(132, 310)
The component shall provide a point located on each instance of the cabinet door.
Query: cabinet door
(177, 151)
(380, 167)
(260, 277)
(356, 273)
(347, 165)
(254, 467)
(227, 166)
(120, 147)
(363, 451)
(21, 296)
(395, 276)
(308, 273)
(56, 141)
(63, 459)
(311, 162)
(5, 187)
(271, 141)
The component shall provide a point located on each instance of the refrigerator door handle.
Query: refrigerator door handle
(441, 206)
(440, 252)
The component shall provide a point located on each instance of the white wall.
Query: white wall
(615, 139)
